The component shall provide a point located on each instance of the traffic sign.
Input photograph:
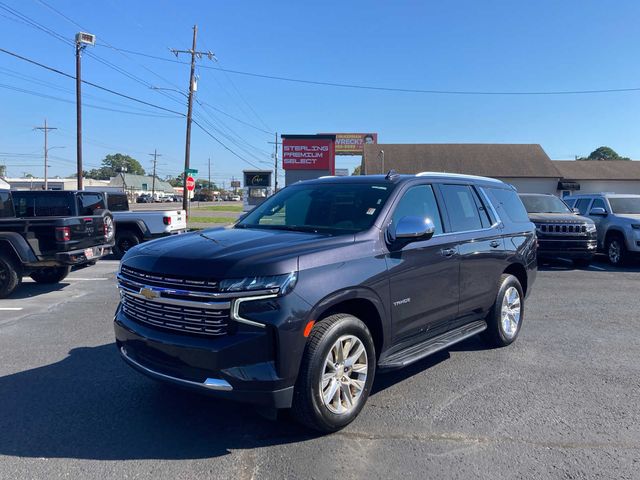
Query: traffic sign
(191, 171)
(191, 184)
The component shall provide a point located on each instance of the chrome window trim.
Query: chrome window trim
(235, 315)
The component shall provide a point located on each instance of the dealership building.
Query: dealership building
(525, 166)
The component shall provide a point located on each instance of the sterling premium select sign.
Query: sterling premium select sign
(308, 153)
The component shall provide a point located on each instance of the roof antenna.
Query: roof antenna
(391, 174)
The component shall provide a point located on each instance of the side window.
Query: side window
(6, 205)
(508, 204)
(89, 203)
(419, 201)
(582, 205)
(462, 208)
(598, 203)
(118, 203)
(485, 215)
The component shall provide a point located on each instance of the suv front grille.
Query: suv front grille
(166, 281)
(185, 319)
(561, 228)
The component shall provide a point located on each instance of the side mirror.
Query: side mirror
(598, 211)
(576, 210)
(414, 228)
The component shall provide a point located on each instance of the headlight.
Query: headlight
(635, 226)
(284, 283)
(591, 227)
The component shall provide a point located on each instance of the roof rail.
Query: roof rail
(458, 175)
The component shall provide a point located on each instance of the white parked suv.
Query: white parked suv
(617, 218)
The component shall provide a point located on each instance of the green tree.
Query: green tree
(604, 153)
(3, 170)
(113, 164)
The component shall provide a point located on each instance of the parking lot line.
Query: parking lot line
(83, 279)
(10, 309)
(597, 268)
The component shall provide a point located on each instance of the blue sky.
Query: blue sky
(456, 45)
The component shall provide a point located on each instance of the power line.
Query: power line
(396, 89)
(100, 87)
(223, 145)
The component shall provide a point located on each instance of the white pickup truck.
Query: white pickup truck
(134, 227)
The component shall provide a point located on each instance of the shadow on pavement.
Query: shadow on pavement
(31, 289)
(92, 406)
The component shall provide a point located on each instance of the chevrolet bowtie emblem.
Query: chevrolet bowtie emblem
(148, 293)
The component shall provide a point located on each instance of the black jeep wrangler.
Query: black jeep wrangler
(44, 233)
(302, 300)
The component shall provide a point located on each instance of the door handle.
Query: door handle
(448, 252)
(494, 243)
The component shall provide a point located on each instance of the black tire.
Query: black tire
(496, 334)
(125, 241)
(616, 250)
(10, 276)
(50, 274)
(581, 262)
(308, 407)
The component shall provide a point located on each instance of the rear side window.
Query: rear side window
(463, 208)
(29, 204)
(508, 204)
(582, 204)
(117, 203)
(6, 205)
(88, 203)
(419, 201)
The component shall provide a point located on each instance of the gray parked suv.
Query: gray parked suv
(617, 217)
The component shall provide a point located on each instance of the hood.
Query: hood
(631, 217)
(568, 218)
(230, 252)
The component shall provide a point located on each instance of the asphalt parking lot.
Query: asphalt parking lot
(560, 403)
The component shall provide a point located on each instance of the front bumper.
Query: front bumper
(239, 367)
(563, 248)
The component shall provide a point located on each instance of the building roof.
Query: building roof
(484, 159)
(598, 169)
(136, 182)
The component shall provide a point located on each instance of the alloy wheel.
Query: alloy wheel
(510, 312)
(344, 375)
(614, 252)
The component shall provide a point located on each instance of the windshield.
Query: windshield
(323, 208)
(544, 204)
(629, 205)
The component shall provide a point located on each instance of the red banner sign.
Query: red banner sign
(308, 154)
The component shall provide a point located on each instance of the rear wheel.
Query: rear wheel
(336, 374)
(505, 318)
(616, 250)
(50, 274)
(10, 276)
(124, 242)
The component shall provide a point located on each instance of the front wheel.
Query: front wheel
(505, 318)
(336, 374)
(50, 274)
(616, 250)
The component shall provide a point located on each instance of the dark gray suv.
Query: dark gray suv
(302, 300)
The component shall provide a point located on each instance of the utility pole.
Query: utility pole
(275, 162)
(153, 181)
(45, 129)
(192, 87)
(82, 40)
(209, 180)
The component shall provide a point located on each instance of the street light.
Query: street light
(82, 40)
